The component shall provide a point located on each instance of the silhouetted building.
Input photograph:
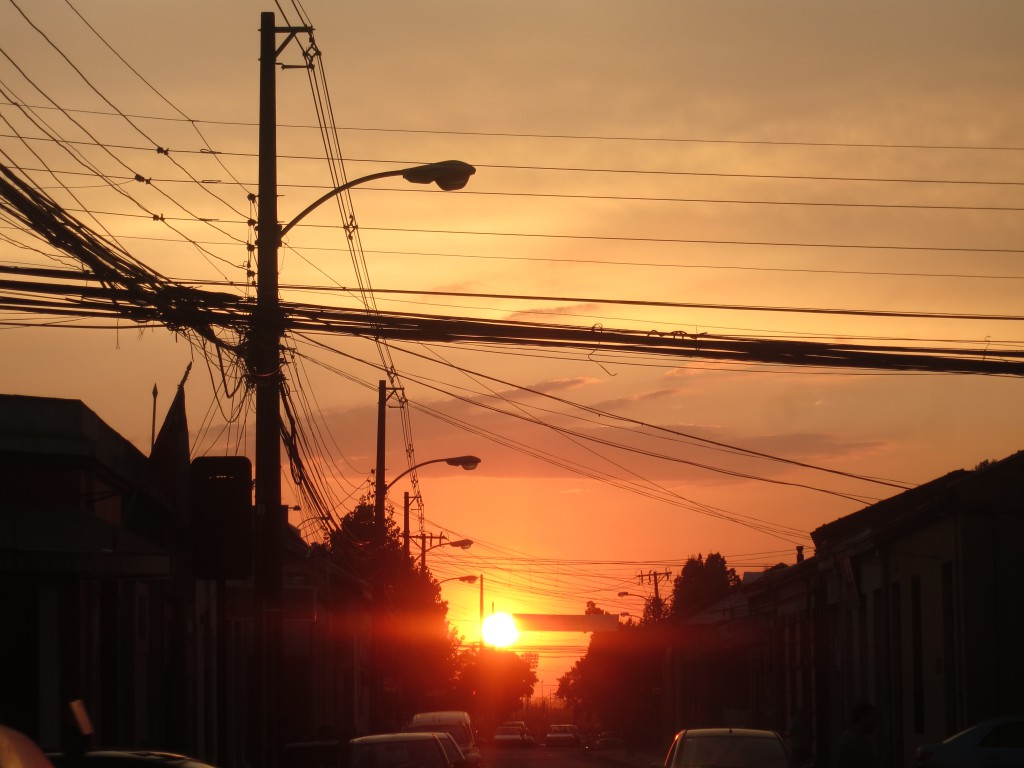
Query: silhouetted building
(91, 581)
(911, 603)
(100, 566)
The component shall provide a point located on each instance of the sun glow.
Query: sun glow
(500, 630)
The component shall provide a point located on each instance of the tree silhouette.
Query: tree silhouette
(701, 581)
(413, 659)
(491, 683)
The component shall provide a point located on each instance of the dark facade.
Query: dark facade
(912, 604)
(90, 584)
(102, 603)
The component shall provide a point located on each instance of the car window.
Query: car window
(458, 732)
(451, 749)
(1006, 735)
(731, 752)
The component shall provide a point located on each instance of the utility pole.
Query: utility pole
(264, 363)
(654, 577)
(380, 488)
(405, 524)
(423, 546)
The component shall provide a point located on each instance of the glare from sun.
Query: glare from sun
(500, 630)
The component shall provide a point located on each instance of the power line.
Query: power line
(575, 169)
(695, 305)
(608, 137)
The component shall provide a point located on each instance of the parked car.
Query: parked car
(562, 735)
(455, 722)
(526, 730)
(455, 754)
(998, 743)
(396, 750)
(510, 736)
(606, 740)
(727, 748)
(123, 758)
(19, 751)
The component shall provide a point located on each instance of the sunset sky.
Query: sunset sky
(633, 160)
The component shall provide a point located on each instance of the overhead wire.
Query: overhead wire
(568, 464)
(603, 170)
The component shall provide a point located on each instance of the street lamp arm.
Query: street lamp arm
(336, 191)
(448, 175)
(466, 462)
(458, 544)
(466, 579)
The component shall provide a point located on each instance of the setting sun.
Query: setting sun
(500, 630)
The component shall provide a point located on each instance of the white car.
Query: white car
(563, 735)
(998, 743)
(457, 723)
(510, 736)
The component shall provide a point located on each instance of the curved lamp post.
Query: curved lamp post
(381, 488)
(471, 580)
(466, 462)
(467, 579)
(262, 358)
(449, 175)
(458, 544)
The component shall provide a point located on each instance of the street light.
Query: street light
(458, 544)
(381, 488)
(466, 462)
(471, 580)
(449, 175)
(466, 579)
(263, 363)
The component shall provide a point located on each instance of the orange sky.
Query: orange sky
(785, 154)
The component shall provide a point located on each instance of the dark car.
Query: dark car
(563, 735)
(606, 740)
(727, 748)
(510, 736)
(397, 750)
(19, 751)
(998, 743)
(470, 751)
(123, 758)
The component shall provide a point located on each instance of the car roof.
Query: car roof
(17, 749)
(377, 738)
(444, 736)
(748, 733)
(444, 714)
(123, 756)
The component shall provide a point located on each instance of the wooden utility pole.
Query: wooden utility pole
(380, 485)
(264, 364)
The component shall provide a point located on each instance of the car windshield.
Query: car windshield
(731, 752)
(457, 731)
(450, 747)
(508, 730)
(422, 753)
